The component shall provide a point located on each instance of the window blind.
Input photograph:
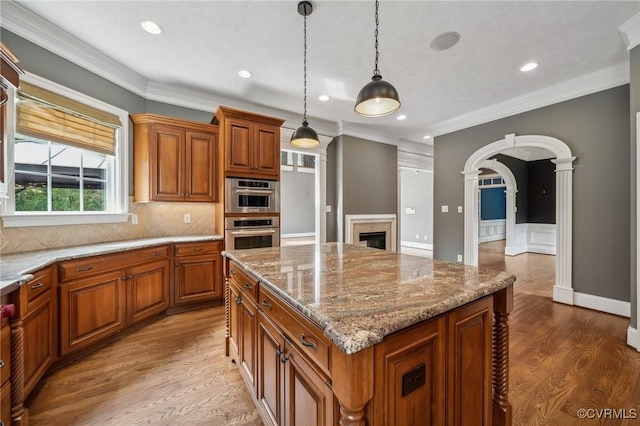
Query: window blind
(47, 115)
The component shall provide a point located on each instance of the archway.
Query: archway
(563, 289)
(511, 190)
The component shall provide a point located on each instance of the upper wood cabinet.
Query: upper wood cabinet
(174, 160)
(251, 143)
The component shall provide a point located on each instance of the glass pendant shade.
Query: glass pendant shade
(377, 98)
(305, 137)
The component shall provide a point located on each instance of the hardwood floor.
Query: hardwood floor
(174, 372)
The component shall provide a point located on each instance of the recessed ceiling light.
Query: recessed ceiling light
(426, 137)
(324, 98)
(244, 74)
(151, 27)
(445, 41)
(528, 67)
(401, 117)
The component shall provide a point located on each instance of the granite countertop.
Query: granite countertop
(359, 295)
(15, 269)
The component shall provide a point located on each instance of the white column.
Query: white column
(563, 289)
(511, 221)
(471, 217)
(321, 197)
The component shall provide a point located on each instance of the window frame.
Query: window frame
(119, 212)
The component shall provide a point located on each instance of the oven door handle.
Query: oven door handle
(253, 232)
(254, 191)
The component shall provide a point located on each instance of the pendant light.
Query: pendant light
(304, 136)
(378, 97)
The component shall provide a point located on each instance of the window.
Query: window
(286, 160)
(69, 156)
(306, 161)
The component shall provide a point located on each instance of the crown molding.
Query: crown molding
(607, 78)
(30, 26)
(630, 32)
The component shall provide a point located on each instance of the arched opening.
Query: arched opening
(563, 288)
(511, 190)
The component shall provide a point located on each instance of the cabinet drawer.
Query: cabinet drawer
(42, 281)
(307, 337)
(89, 266)
(247, 284)
(204, 247)
(5, 354)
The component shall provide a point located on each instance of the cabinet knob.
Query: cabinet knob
(1, 363)
(283, 358)
(238, 301)
(248, 286)
(308, 344)
(124, 278)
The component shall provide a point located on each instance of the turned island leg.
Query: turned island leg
(353, 384)
(226, 307)
(19, 415)
(502, 306)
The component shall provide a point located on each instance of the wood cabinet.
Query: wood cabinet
(251, 143)
(198, 272)
(5, 372)
(100, 295)
(174, 160)
(436, 372)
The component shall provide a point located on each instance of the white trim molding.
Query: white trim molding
(630, 32)
(298, 235)
(352, 219)
(603, 304)
(85, 218)
(633, 338)
(564, 184)
(511, 191)
(633, 335)
(421, 246)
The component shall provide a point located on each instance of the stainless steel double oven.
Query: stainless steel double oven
(251, 213)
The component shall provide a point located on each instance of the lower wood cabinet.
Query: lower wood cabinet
(5, 404)
(244, 333)
(198, 272)
(147, 290)
(5, 372)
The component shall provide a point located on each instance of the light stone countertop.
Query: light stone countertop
(15, 269)
(359, 295)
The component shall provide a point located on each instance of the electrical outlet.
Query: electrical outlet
(459, 258)
(328, 209)
(187, 218)
(134, 219)
(445, 209)
(459, 209)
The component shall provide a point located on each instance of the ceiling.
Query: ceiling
(195, 61)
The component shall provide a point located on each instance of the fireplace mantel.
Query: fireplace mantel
(375, 222)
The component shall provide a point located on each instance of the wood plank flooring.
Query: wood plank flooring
(174, 372)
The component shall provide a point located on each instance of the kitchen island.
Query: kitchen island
(342, 334)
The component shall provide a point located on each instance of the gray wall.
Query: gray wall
(595, 128)
(416, 192)
(541, 182)
(297, 201)
(635, 108)
(361, 179)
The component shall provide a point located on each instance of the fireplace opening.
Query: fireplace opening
(374, 239)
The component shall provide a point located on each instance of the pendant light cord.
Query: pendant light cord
(304, 118)
(376, 71)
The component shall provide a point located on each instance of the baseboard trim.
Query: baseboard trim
(603, 304)
(563, 295)
(421, 246)
(633, 338)
(299, 235)
(514, 250)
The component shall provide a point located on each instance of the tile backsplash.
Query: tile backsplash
(154, 220)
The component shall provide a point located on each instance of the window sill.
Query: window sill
(22, 220)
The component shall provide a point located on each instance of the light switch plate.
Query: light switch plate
(459, 209)
(445, 209)
(187, 218)
(328, 209)
(134, 219)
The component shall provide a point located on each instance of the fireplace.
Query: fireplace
(374, 230)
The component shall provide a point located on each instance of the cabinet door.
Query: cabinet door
(5, 404)
(147, 290)
(270, 369)
(235, 321)
(238, 146)
(308, 399)
(167, 150)
(90, 310)
(266, 150)
(5, 352)
(200, 168)
(198, 279)
(469, 360)
(39, 349)
(248, 346)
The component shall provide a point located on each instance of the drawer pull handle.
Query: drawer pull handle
(84, 269)
(304, 341)
(198, 249)
(266, 304)
(238, 301)
(156, 254)
(232, 272)
(248, 286)
(35, 286)
(1, 363)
